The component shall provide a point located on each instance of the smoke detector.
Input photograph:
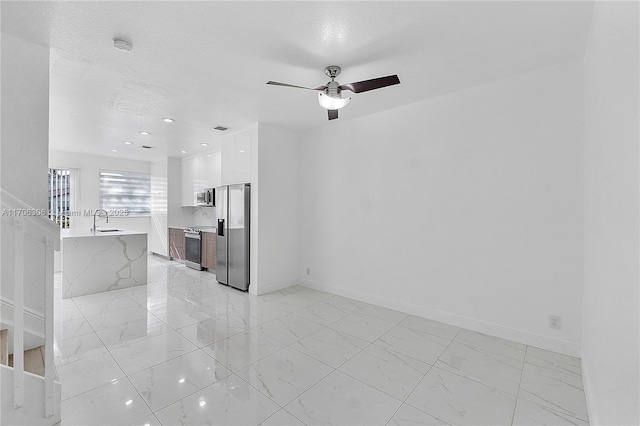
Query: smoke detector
(123, 45)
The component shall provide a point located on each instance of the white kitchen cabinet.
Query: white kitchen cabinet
(199, 174)
(189, 171)
(243, 158)
(236, 159)
(228, 161)
(210, 170)
(217, 169)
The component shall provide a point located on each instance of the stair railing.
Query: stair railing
(26, 221)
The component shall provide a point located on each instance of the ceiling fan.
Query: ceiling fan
(330, 95)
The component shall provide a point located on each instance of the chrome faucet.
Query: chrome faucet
(94, 218)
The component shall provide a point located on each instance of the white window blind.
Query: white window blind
(125, 192)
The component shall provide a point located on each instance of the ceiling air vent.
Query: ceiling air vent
(146, 147)
(221, 128)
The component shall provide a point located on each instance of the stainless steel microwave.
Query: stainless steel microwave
(206, 198)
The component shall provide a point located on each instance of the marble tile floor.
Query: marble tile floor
(185, 350)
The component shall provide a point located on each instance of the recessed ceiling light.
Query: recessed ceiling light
(183, 151)
(144, 132)
(168, 120)
(123, 45)
(127, 143)
(114, 150)
(241, 151)
(209, 155)
(204, 144)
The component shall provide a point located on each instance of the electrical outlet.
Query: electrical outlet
(308, 271)
(555, 322)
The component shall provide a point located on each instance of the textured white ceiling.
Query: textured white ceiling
(206, 63)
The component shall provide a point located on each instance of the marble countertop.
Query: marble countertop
(78, 233)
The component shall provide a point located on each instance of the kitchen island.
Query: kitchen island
(102, 261)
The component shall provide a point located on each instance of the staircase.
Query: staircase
(4, 347)
(31, 395)
(33, 361)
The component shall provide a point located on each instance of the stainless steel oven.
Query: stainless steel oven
(192, 248)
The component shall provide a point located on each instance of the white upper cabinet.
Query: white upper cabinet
(210, 169)
(199, 174)
(243, 158)
(236, 159)
(216, 164)
(188, 174)
(228, 161)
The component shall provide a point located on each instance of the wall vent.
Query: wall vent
(221, 128)
(146, 147)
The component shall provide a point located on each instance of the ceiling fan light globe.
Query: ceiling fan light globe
(329, 102)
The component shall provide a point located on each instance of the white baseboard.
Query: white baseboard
(33, 320)
(520, 336)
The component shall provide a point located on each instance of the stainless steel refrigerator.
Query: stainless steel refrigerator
(233, 210)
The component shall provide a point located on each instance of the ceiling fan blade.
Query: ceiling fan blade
(333, 114)
(374, 83)
(275, 83)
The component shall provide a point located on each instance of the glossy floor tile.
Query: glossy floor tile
(498, 371)
(185, 350)
(394, 374)
(133, 357)
(171, 381)
(408, 415)
(88, 373)
(116, 403)
(414, 343)
(230, 401)
(558, 391)
(460, 401)
(285, 374)
(362, 326)
(342, 400)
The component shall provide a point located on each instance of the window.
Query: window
(125, 193)
(59, 203)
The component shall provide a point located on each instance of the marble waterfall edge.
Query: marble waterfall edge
(97, 263)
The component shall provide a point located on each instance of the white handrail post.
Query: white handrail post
(18, 312)
(49, 389)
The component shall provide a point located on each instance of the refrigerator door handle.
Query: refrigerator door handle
(221, 227)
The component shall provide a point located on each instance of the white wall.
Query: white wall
(277, 183)
(465, 208)
(25, 120)
(610, 357)
(89, 185)
(174, 187)
(158, 227)
(24, 147)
